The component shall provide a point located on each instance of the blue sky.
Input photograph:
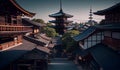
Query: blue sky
(78, 8)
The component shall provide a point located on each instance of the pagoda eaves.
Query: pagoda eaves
(60, 14)
(66, 21)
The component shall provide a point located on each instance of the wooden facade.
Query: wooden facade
(101, 43)
(112, 39)
(11, 26)
(112, 29)
(92, 40)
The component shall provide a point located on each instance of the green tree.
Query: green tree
(49, 24)
(38, 20)
(68, 41)
(50, 32)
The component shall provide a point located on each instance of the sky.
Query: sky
(78, 8)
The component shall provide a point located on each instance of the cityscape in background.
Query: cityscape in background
(59, 35)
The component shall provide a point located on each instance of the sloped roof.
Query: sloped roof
(110, 9)
(26, 20)
(33, 40)
(35, 54)
(105, 57)
(61, 13)
(85, 34)
(45, 37)
(30, 14)
(66, 21)
(10, 55)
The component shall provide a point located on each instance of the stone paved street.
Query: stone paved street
(62, 64)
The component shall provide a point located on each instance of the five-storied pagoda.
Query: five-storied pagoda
(61, 20)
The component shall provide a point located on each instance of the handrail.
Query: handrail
(14, 28)
(6, 45)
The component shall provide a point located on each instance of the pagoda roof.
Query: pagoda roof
(61, 14)
(109, 10)
(25, 12)
(66, 21)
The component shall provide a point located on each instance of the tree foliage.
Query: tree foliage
(68, 41)
(38, 20)
(50, 32)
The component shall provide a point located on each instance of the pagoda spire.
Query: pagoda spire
(61, 10)
(91, 16)
(91, 13)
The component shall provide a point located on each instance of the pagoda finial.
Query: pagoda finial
(61, 5)
(91, 16)
(91, 13)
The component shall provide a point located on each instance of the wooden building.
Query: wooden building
(36, 27)
(61, 20)
(111, 26)
(27, 56)
(11, 26)
(99, 45)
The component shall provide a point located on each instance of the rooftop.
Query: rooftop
(61, 14)
(109, 10)
(8, 56)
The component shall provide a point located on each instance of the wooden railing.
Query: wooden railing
(15, 28)
(7, 45)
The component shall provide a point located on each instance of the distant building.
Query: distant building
(90, 22)
(61, 20)
(99, 45)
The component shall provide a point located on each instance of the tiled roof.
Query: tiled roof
(28, 21)
(105, 11)
(61, 13)
(85, 34)
(66, 21)
(8, 56)
(33, 40)
(21, 9)
(105, 57)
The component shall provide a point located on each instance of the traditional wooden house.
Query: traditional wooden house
(111, 26)
(11, 26)
(27, 56)
(101, 43)
(36, 27)
(61, 20)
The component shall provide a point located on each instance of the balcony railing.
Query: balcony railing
(15, 28)
(6, 45)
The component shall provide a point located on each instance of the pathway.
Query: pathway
(61, 64)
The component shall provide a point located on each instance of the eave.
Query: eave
(25, 12)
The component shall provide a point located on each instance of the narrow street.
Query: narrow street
(62, 64)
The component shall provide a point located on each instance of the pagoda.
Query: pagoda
(61, 21)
